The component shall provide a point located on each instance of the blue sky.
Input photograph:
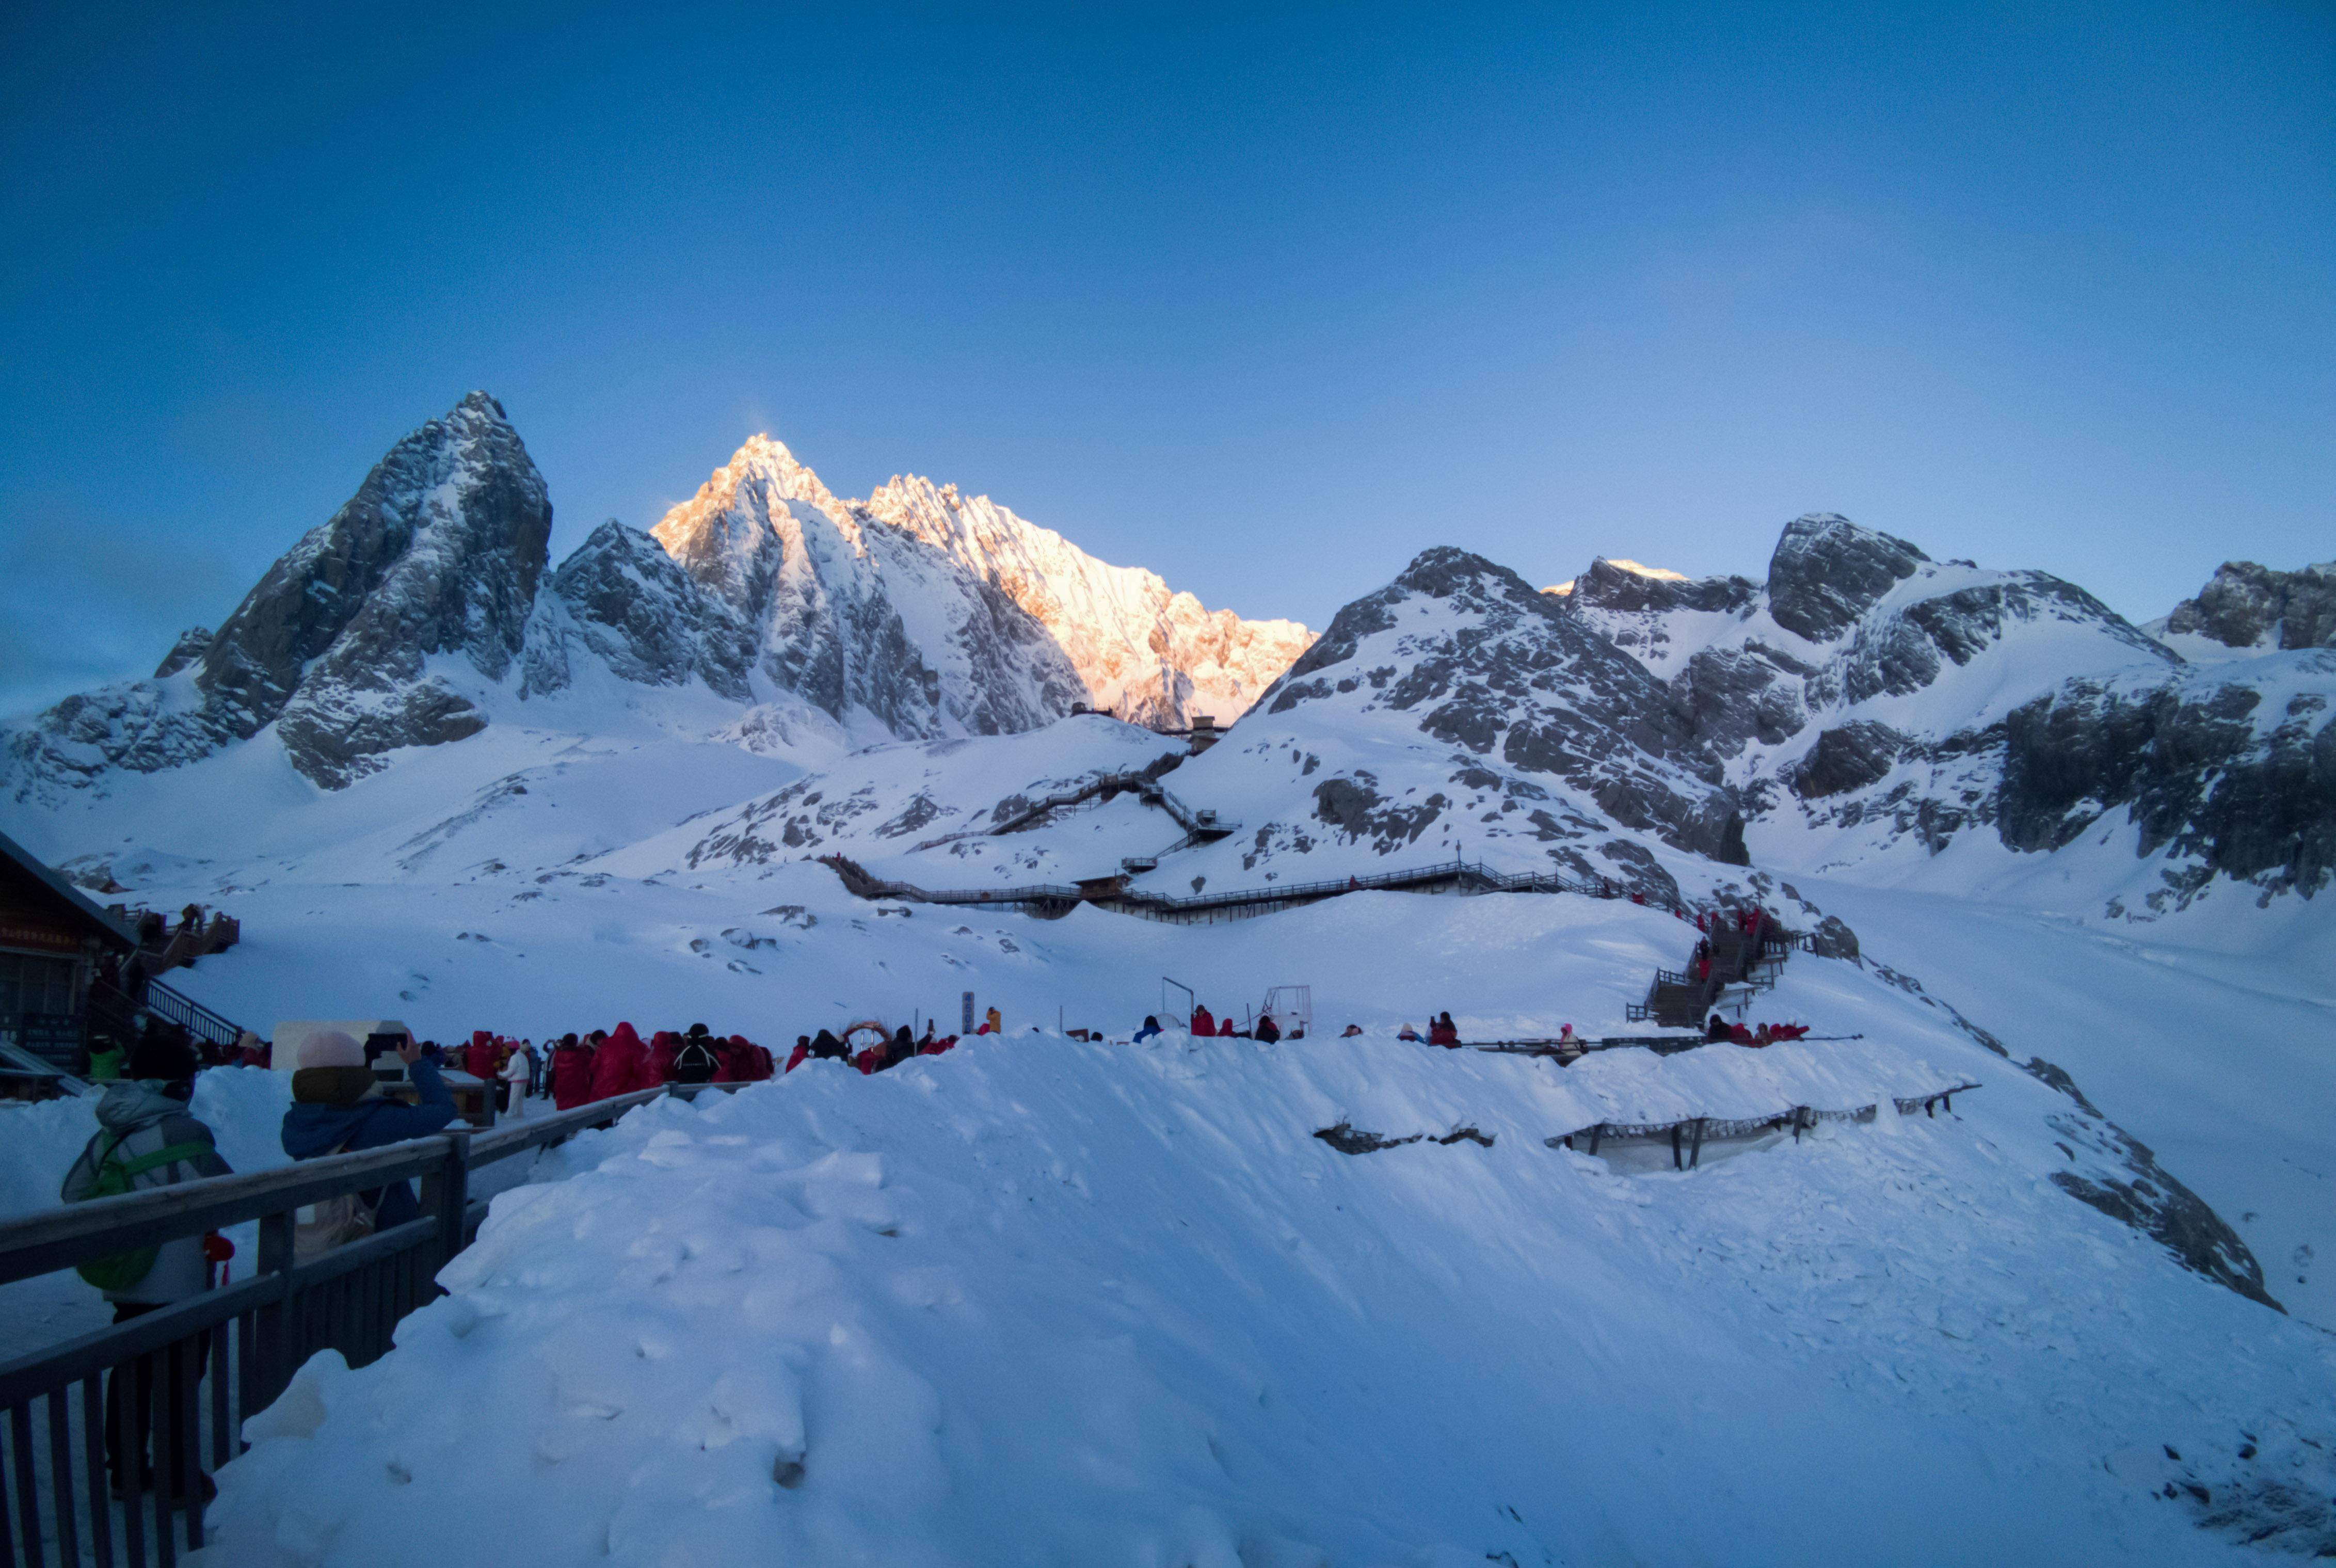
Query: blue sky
(1267, 298)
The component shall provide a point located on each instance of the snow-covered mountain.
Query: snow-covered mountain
(2246, 609)
(425, 609)
(1874, 709)
(361, 639)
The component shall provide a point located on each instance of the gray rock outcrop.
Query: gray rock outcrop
(2246, 606)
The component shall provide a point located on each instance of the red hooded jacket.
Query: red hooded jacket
(571, 1076)
(1204, 1021)
(621, 1064)
(663, 1047)
(479, 1055)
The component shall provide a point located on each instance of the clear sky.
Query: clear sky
(1267, 298)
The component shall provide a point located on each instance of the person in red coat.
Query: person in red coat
(803, 1049)
(1225, 1028)
(621, 1064)
(571, 1072)
(1203, 1022)
(664, 1045)
(479, 1056)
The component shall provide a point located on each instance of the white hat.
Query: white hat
(331, 1048)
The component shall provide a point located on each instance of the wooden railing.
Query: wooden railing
(58, 1497)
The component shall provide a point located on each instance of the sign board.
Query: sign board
(965, 1023)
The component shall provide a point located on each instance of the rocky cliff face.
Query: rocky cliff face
(1149, 654)
(2254, 608)
(858, 619)
(1866, 696)
(347, 645)
(1459, 713)
(622, 600)
(425, 603)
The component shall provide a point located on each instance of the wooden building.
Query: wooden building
(51, 939)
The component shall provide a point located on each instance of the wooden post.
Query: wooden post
(267, 1371)
(454, 1196)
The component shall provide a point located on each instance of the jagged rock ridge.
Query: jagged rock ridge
(435, 558)
(1867, 694)
(423, 605)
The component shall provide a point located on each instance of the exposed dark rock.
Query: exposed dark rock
(2191, 763)
(631, 605)
(192, 644)
(1833, 938)
(437, 554)
(1848, 757)
(1347, 1141)
(2140, 1194)
(1501, 670)
(1734, 696)
(1827, 571)
(2249, 606)
(1606, 586)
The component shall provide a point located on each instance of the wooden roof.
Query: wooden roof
(52, 899)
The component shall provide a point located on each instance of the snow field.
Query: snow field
(1038, 1301)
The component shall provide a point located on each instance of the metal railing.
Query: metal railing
(77, 1419)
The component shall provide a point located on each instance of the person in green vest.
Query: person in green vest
(147, 1138)
(105, 1060)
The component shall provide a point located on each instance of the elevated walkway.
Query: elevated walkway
(1055, 899)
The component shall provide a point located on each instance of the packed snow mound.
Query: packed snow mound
(1112, 1304)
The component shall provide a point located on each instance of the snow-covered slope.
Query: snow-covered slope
(1041, 1300)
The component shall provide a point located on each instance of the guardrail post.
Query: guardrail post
(268, 1369)
(452, 1196)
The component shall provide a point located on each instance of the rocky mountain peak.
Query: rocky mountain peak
(1500, 671)
(1827, 571)
(2252, 606)
(1147, 653)
(1626, 587)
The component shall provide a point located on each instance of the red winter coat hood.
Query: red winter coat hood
(621, 1064)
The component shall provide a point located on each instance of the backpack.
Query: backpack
(116, 1176)
(695, 1063)
(317, 1228)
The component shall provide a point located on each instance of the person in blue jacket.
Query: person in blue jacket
(335, 1111)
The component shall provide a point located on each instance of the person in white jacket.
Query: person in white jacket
(517, 1071)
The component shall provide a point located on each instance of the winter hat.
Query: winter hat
(331, 1070)
(330, 1049)
(163, 1056)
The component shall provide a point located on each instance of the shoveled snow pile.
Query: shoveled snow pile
(1044, 1301)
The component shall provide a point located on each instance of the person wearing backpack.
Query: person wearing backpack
(694, 1061)
(335, 1112)
(146, 1138)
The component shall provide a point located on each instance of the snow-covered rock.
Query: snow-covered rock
(1149, 654)
(423, 610)
(358, 641)
(2247, 608)
(1870, 704)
